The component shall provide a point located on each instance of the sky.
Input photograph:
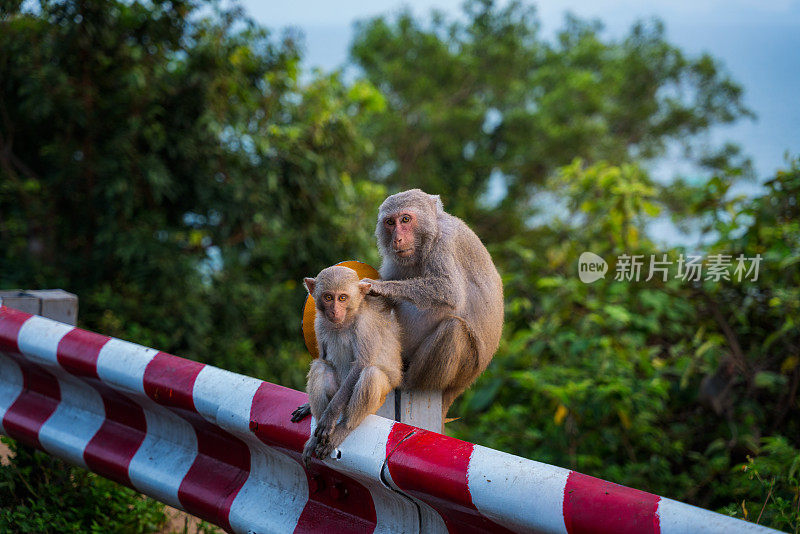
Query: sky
(758, 43)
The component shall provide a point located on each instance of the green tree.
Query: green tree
(175, 173)
(166, 161)
(668, 386)
(484, 109)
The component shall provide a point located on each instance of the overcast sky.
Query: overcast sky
(757, 41)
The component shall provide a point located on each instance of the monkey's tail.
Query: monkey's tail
(473, 339)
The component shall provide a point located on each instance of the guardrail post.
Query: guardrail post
(55, 304)
(422, 409)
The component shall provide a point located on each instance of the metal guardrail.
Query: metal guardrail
(221, 446)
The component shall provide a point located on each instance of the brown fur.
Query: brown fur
(359, 361)
(447, 295)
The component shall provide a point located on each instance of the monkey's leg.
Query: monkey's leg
(321, 386)
(447, 360)
(368, 395)
(449, 395)
(446, 353)
(309, 448)
(336, 406)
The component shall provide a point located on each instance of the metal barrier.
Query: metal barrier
(221, 446)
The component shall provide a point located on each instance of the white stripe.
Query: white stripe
(429, 519)
(273, 496)
(275, 492)
(679, 518)
(121, 365)
(166, 454)
(363, 454)
(520, 494)
(39, 337)
(77, 418)
(10, 385)
(225, 398)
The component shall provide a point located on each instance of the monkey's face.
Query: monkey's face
(338, 294)
(407, 226)
(400, 230)
(339, 306)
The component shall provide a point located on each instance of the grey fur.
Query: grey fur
(448, 297)
(359, 361)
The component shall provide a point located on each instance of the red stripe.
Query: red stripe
(327, 514)
(222, 464)
(11, 321)
(37, 402)
(595, 506)
(111, 449)
(336, 503)
(433, 468)
(40, 392)
(78, 350)
(218, 473)
(169, 380)
(270, 417)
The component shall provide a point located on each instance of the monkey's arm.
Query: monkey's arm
(335, 407)
(424, 292)
(440, 285)
(304, 410)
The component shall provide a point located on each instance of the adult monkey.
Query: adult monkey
(446, 291)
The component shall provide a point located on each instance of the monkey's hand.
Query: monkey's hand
(377, 285)
(322, 442)
(308, 450)
(301, 413)
(332, 441)
(324, 449)
(324, 427)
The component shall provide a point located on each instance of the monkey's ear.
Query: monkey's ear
(437, 203)
(310, 284)
(364, 287)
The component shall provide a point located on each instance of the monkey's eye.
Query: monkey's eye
(405, 219)
(389, 222)
(342, 298)
(327, 297)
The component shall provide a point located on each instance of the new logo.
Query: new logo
(591, 267)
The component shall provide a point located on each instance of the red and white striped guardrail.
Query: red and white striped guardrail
(221, 446)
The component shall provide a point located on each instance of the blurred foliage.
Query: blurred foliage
(175, 173)
(773, 479)
(484, 105)
(43, 494)
(659, 385)
(171, 163)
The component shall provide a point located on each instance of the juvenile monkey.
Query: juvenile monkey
(359, 358)
(447, 294)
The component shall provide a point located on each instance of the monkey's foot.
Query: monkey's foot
(301, 413)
